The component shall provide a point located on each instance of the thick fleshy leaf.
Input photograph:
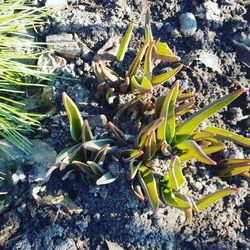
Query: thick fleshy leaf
(197, 136)
(149, 147)
(214, 147)
(146, 131)
(86, 132)
(184, 108)
(211, 198)
(149, 186)
(124, 43)
(164, 53)
(109, 95)
(176, 178)
(109, 74)
(126, 108)
(245, 174)
(233, 167)
(134, 167)
(148, 37)
(137, 191)
(189, 125)
(228, 135)
(143, 88)
(148, 64)
(166, 130)
(129, 155)
(74, 116)
(117, 133)
(107, 178)
(160, 79)
(101, 155)
(185, 96)
(99, 75)
(84, 167)
(96, 145)
(174, 199)
(96, 169)
(193, 150)
(66, 152)
(136, 63)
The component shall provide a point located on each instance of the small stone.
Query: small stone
(64, 45)
(212, 11)
(197, 185)
(236, 155)
(188, 24)
(56, 4)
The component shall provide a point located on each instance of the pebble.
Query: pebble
(56, 4)
(188, 24)
(212, 11)
(64, 45)
(236, 155)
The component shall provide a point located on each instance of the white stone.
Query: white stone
(56, 4)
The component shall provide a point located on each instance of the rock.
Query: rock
(212, 11)
(188, 24)
(236, 155)
(113, 246)
(48, 63)
(64, 45)
(210, 60)
(56, 4)
(68, 244)
(18, 176)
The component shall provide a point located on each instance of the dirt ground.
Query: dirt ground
(217, 54)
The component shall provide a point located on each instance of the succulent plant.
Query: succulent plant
(87, 155)
(180, 140)
(152, 50)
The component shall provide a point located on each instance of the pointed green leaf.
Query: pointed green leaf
(228, 135)
(197, 136)
(137, 191)
(130, 154)
(160, 79)
(164, 53)
(193, 150)
(211, 198)
(233, 167)
(149, 147)
(148, 64)
(189, 125)
(185, 96)
(146, 131)
(134, 167)
(96, 145)
(74, 116)
(107, 178)
(176, 178)
(109, 74)
(148, 37)
(166, 130)
(84, 167)
(136, 63)
(245, 174)
(86, 132)
(124, 43)
(149, 186)
(117, 133)
(174, 199)
(143, 88)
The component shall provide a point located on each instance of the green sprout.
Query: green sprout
(87, 155)
(152, 50)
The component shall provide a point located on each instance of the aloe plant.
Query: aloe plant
(88, 154)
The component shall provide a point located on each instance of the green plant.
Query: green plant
(87, 155)
(181, 140)
(16, 49)
(142, 83)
